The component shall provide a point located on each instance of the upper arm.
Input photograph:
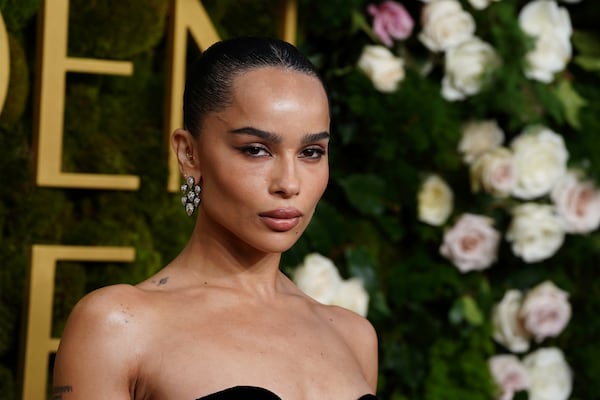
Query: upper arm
(96, 356)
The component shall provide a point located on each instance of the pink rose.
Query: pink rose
(471, 244)
(390, 20)
(577, 203)
(509, 374)
(545, 311)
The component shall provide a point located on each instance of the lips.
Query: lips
(281, 219)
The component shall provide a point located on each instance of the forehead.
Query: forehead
(275, 81)
(270, 94)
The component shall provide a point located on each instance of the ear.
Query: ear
(185, 147)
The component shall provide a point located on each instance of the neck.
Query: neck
(226, 261)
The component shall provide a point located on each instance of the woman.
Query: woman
(221, 321)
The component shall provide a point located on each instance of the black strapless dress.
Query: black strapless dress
(254, 393)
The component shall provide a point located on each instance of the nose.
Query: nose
(284, 179)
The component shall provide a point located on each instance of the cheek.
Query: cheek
(318, 182)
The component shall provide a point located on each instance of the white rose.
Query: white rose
(509, 374)
(472, 243)
(577, 203)
(435, 201)
(540, 17)
(549, 374)
(352, 295)
(508, 328)
(494, 172)
(481, 4)
(467, 67)
(318, 277)
(479, 137)
(540, 159)
(381, 66)
(545, 311)
(549, 56)
(550, 26)
(535, 231)
(445, 25)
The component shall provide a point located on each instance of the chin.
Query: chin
(281, 243)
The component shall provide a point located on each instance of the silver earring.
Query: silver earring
(191, 195)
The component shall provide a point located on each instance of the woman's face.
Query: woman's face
(263, 160)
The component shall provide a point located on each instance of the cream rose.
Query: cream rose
(545, 311)
(549, 374)
(509, 374)
(445, 25)
(352, 295)
(479, 137)
(535, 231)
(472, 243)
(550, 26)
(577, 203)
(435, 201)
(550, 55)
(467, 67)
(384, 69)
(481, 4)
(540, 159)
(318, 277)
(508, 327)
(494, 172)
(539, 17)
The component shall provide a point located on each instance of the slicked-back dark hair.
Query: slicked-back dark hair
(209, 80)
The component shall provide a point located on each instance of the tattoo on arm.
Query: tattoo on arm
(58, 391)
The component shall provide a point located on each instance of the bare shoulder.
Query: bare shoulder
(106, 307)
(360, 336)
(357, 330)
(104, 330)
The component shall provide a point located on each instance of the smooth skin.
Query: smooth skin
(221, 314)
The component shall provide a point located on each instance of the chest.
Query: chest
(295, 356)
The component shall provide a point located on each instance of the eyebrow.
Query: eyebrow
(275, 138)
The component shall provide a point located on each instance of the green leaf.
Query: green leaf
(471, 309)
(466, 309)
(589, 63)
(365, 192)
(571, 101)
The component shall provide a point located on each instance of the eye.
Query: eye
(313, 153)
(255, 151)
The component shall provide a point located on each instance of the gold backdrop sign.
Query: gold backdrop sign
(53, 64)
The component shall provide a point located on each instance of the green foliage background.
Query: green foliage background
(431, 346)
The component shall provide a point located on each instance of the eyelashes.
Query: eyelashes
(259, 151)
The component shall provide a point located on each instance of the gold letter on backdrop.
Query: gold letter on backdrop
(191, 15)
(186, 15)
(53, 65)
(4, 63)
(39, 343)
